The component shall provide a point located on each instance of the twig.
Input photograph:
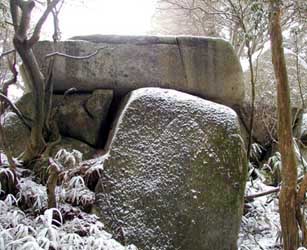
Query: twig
(15, 110)
(302, 224)
(6, 53)
(273, 190)
(73, 57)
(252, 196)
(302, 190)
(298, 72)
(13, 80)
(35, 36)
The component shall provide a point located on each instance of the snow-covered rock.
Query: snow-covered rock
(266, 103)
(206, 67)
(175, 173)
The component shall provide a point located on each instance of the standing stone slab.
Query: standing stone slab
(206, 67)
(175, 173)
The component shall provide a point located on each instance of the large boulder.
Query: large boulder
(174, 174)
(206, 67)
(82, 116)
(265, 126)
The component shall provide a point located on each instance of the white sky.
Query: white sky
(107, 17)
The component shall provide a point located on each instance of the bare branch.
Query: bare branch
(6, 53)
(35, 36)
(273, 190)
(14, 13)
(302, 190)
(24, 24)
(13, 80)
(252, 196)
(8, 83)
(15, 110)
(301, 221)
(178, 6)
(74, 57)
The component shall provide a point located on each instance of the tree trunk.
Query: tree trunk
(287, 198)
(37, 142)
(21, 11)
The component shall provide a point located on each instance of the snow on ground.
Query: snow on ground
(33, 227)
(26, 224)
(23, 231)
(260, 227)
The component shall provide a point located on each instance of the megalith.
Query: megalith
(174, 174)
(206, 67)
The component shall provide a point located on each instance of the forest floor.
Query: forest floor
(260, 226)
(25, 223)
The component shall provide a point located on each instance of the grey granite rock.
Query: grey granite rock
(175, 173)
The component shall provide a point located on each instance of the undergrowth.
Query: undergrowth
(260, 225)
(26, 223)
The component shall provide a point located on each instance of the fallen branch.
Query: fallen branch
(252, 196)
(275, 190)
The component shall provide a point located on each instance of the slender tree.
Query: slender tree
(287, 197)
(23, 42)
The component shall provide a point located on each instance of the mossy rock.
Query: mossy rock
(17, 135)
(175, 173)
